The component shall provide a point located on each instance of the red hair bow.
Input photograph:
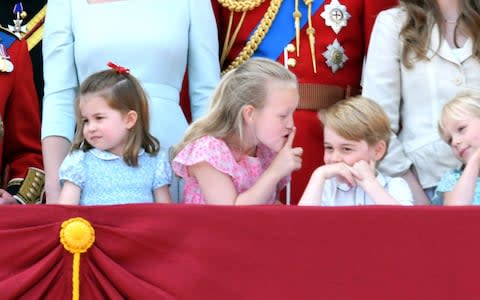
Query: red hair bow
(119, 69)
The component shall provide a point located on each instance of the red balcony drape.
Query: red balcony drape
(155, 251)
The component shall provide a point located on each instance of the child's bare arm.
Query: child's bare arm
(70, 194)
(364, 174)
(464, 190)
(162, 195)
(314, 190)
(218, 187)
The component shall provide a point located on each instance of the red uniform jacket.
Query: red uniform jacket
(20, 147)
(320, 89)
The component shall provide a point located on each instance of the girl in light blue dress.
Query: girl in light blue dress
(157, 40)
(114, 158)
(459, 126)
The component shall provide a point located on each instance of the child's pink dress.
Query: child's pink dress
(244, 173)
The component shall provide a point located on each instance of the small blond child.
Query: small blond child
(356, 135)
(459, 126)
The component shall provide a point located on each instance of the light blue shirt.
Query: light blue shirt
(337, 193)
(157, 40)
(105, 178)
(448, 183)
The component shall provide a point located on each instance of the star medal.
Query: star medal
(5, 64)
(335, 56)
(17, 28)
(336, 15)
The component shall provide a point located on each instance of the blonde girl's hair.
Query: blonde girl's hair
(464, 104)
(245, 85)
(122, 92)
(422, 15)
(358, 119)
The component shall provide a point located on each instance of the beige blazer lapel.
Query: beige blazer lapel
(439, 46)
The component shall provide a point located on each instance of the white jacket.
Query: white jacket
(413, 98)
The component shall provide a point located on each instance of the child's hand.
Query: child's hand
(475, 158)
(288, 159)
(6, 198)
(363, 172)
(340, 170)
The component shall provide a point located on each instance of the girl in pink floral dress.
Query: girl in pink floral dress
(241, 152)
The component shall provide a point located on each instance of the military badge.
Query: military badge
(335, 56)
(17, 28)
(336, 15)
(5, 64)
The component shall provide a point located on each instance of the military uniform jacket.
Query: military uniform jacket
(341, 35)
(20, 148)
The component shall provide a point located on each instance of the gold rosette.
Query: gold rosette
(77, 235)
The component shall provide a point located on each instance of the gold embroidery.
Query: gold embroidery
(35, 29)
(259, 33)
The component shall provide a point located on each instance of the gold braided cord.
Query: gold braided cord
(240, 5)
(257, 36)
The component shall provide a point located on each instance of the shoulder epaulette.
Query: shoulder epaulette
(7, 37)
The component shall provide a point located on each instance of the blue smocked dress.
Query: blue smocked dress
(105, 178)
(448, 183)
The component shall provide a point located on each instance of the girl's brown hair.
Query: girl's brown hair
(422, 15)
(122, 92)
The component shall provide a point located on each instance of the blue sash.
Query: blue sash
(7, 39)
(282, 30)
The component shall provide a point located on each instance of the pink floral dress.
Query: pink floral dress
(244, 173)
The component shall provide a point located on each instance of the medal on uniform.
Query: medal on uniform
(5, 64)
(336, 15)
(17, 28)
(335, 56)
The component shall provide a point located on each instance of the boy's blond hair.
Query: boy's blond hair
(358, 118)
(464, 104)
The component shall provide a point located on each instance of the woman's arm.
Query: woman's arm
(55, 149)
(419, 196)
(382, 83)
(58, 123)
(203, 58)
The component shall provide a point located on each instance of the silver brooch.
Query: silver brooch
(335, 56)
(336, 15)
